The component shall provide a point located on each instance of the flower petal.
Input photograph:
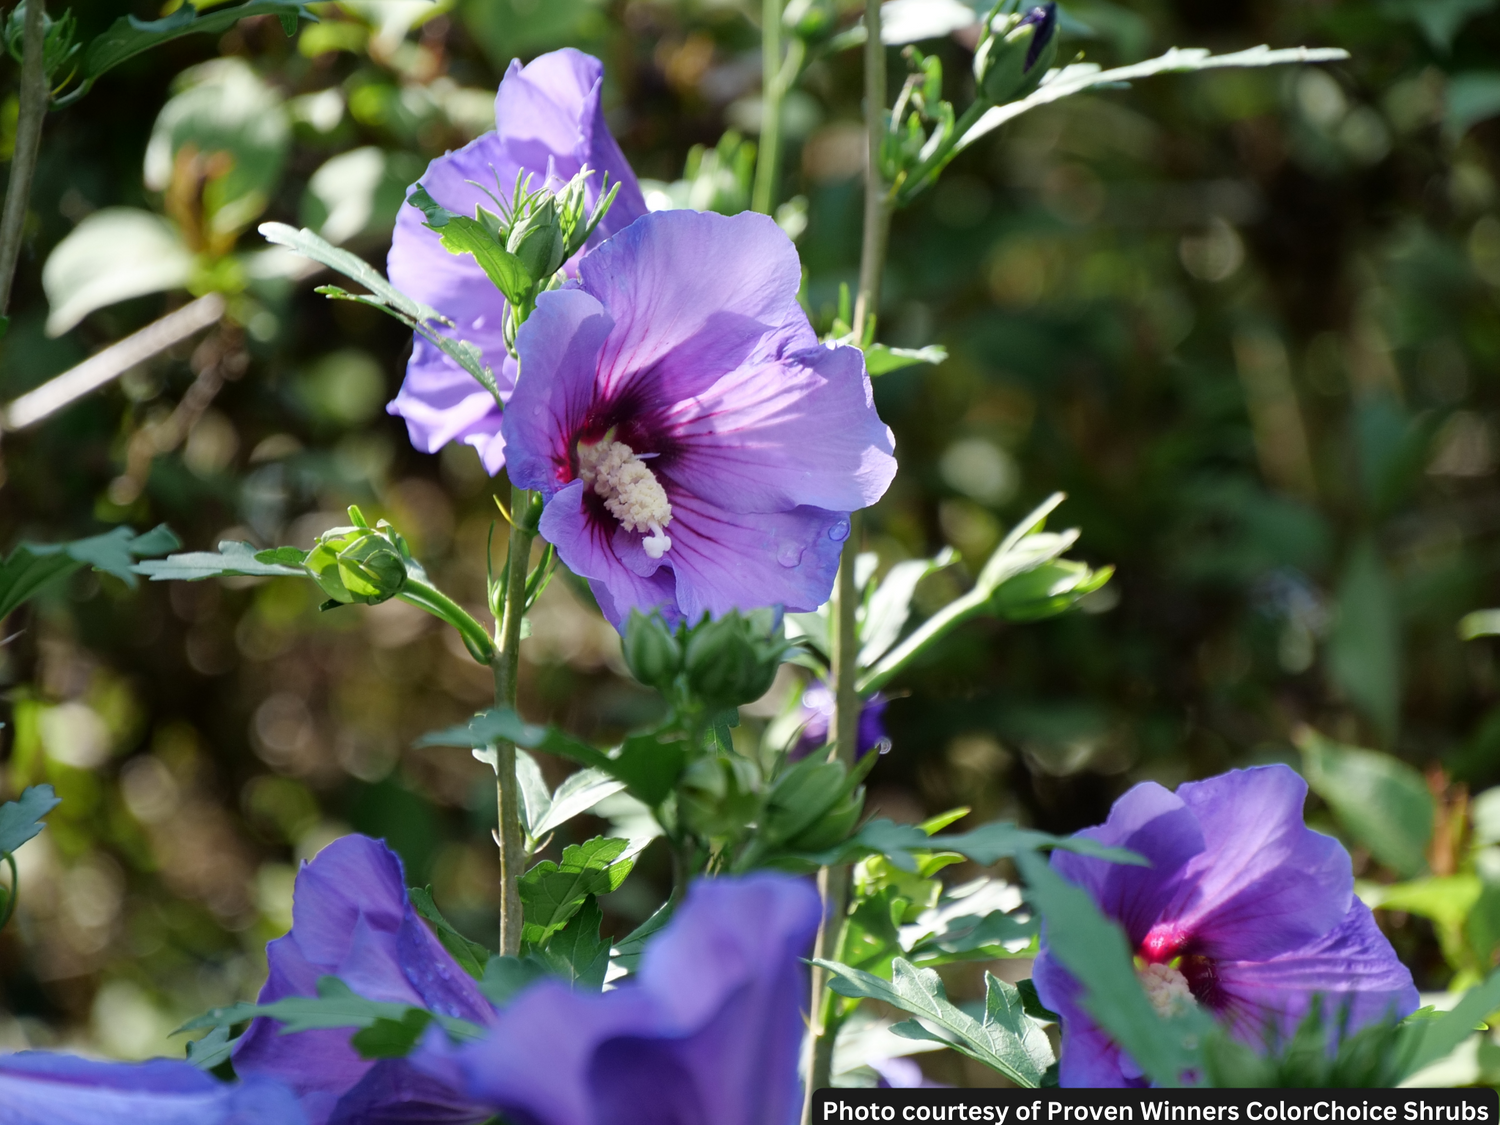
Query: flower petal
(561, 341)
(694, 296)
(800, 430)
(1089, 1058)
(1352, 968)
(583, 544)
(1265, 883)
(1153, 823)
(726, 560)
(550, 125)
(39, 1088)
(350, 918)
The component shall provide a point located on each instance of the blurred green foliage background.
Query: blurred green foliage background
(1248, 321)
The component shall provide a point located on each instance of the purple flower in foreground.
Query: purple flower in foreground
(709, 1030)
(549, 125)
(1243, 910)
(817, 707)
(698, 448)
(352, 919)
(39, 1088)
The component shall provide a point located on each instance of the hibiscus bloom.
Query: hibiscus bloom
(698, 448)
(709, 1030)
(1244, 910)
(40, 1088)
(351, 918)
(548, 125)
(816, 710)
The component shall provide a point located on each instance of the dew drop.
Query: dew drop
(839, 531)
(789, 555)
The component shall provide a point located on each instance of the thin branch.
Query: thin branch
(33, 108)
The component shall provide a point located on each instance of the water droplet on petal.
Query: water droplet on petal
(839, 531)
(790, 554)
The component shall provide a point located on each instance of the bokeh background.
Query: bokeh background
(1248, 321)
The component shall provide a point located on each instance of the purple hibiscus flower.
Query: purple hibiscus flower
(1244, 910)
(698, 448)
(709, 1030)
(39, 1088)
(351, 918)
(549, 125)
(817, 708)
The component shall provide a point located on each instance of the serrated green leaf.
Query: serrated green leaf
(627, 951)
(335, 1006)
(551, 893)
(231, 559)
(282, 556)
(470, 955)
(31, 567)
(1006, 1040)
(489, 727)
(212, 1050)
(577, 953)
(22, 819)
(576, 796)
(460, 234)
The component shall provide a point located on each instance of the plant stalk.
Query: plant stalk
(833, 882)
(33, 108)
(507, 666)
(763, 198)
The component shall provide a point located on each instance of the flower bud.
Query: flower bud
(536, 238)
(360, 563)
(732, 660)
(651, 651)
(1014, 58)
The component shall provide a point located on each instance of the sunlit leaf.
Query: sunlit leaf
(1382, 802)
(22, 819)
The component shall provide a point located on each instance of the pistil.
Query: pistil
(630, 491)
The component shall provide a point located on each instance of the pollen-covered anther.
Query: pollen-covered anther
(1167, 989)
(630, 491)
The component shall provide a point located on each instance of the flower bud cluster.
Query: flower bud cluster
(361, 564)
(1016, 54)
(714, 665)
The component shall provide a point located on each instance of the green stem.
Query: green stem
(763, 199)
(952, 615)
(33, 109)
(926, 172)
(440, 605)
(507, 667)
(833, 882)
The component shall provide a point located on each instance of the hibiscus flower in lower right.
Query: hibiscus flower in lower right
(1243, 910)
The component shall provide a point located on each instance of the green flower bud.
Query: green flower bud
(1013, 60)
(360, 563)
(732, 660)
(651, 651)
(716, 797)
(536, 238)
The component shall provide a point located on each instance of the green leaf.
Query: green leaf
(501, 723)
(1446, 899)
(890, 605)
(460, 234)
(335, 1006)
(536, 798)
(577, 953)
(391, 1038)
(232, 559)
(1428, 1040)
(576, 796)
(506, 976)
(469, 954)
(21, 820)
(1080, 77)
(991, 843)
(1006, 1040)
(627, 951)
(551, 893)
(1438, 19)
(1093, 949)
(32, 567)
(1032, 1004)
(384, 296)
(1382, 802)
(212, 1050)
(880, 359)
(128, 36)
(1472, 97)
(1047, 590)
(114, 254)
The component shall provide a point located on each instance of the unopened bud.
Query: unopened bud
(360, 563)
(732, 660)
(651, 651)
(537, 240)
(1014, 58)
